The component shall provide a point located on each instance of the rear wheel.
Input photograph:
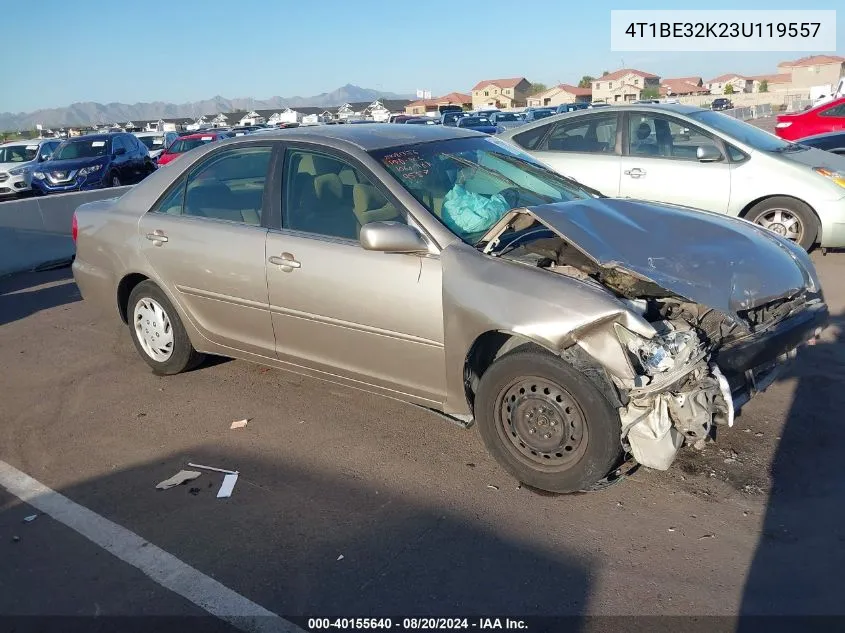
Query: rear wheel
(157, 331)
(788, 217)
(546, 423)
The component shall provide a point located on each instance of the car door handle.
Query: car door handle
(157, 237)
(636, 172)
(285, 261)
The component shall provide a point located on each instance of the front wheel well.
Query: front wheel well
(124, 289)
(492, 345)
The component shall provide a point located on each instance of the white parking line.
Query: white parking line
(163, 568)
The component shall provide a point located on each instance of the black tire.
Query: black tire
(766, 210)
(572, 460)
(182, 355)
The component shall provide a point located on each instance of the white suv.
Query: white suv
(17, 162)
(156, 142)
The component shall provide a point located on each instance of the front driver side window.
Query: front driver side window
(327, 196)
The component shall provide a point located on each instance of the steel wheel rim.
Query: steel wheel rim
(115, 181)
(783, 222)
(153, 329)
(541, 423)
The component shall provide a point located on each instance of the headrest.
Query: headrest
(326, 165)
(328, 185)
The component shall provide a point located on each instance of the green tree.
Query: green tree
(729, 89)
(605, 72)
(586, 81)
(764, 85)
(537, 88)
(650, 93)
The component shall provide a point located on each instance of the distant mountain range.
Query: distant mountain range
(89, 112)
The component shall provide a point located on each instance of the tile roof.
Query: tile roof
(814, 60)
(682, 86)
(500, 83)
(453, 98)
(575, 90)
(726, 77)
(618, 74)
(778, 78)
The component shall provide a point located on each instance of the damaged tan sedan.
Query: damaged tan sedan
(449, 270)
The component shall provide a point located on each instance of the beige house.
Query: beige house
(626, 84)
(816, 70)
(562, 93)
(424, 106)
(739, 83)
(501, 93)
(774, 83)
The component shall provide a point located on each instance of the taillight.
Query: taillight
(74, 228)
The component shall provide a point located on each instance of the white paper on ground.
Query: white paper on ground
(179, 478)
(239, 424)
(229, 482)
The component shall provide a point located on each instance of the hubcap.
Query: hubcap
(542, 423)
(783, 222)
(153, 329)
(115, 182)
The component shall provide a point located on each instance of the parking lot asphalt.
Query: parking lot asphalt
(350, 504)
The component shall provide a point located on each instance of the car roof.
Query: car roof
(150, 133)
(677, 108)
(95, 137)
(370, 137)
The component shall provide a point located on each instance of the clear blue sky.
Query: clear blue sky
(186, 50)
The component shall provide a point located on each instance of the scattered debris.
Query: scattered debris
(746, 430)
(619, 504)
(671, 529)
(217, 470)
(194, 491)
(700, 538)
(16, 539)
(492, 487)
(730, 460)
(699, 445)
(745, 514)
(141, 415)
(470, 465)
(302, 421)
(734, 454)
(519, 486)
(30, 518)
(227, 486)
(758, 434)
(178, 479)
(239, 424)
(340, 557)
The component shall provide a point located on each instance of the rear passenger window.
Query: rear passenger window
(531, 139)
(229, 186)
(327, 196)
(591, 135)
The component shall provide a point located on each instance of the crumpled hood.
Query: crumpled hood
(715, 260)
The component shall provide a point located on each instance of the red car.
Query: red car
(187, 143)
(828, 117)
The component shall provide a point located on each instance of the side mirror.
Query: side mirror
(708, 154)
(392, 237)
(46, 156)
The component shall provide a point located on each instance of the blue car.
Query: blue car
(477, 123)
(93, 162)
(572, 107)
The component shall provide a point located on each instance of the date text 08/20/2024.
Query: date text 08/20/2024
(416, 624)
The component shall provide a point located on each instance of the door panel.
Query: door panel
(661, 165)
(212, 259)
(368, 316)
(363, 315)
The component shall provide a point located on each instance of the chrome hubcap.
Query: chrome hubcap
(542, 423)
(782, 222)
(153, 329)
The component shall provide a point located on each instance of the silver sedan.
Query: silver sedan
(693, 157)
(444, 268)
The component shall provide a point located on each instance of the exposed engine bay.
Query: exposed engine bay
(670, 385)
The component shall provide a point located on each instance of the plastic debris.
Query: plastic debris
(227, 486)
(183, 476)
(671, 529)
(706, 536)
(239, 424)
(699, 445)
(492, 487)
(340, 557)
(30, 518)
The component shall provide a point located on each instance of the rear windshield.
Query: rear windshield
(81, 149)
(506, 116)
(152, 142)
(18, 153)
(474, 121)
(542, 114)
(182, 145)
